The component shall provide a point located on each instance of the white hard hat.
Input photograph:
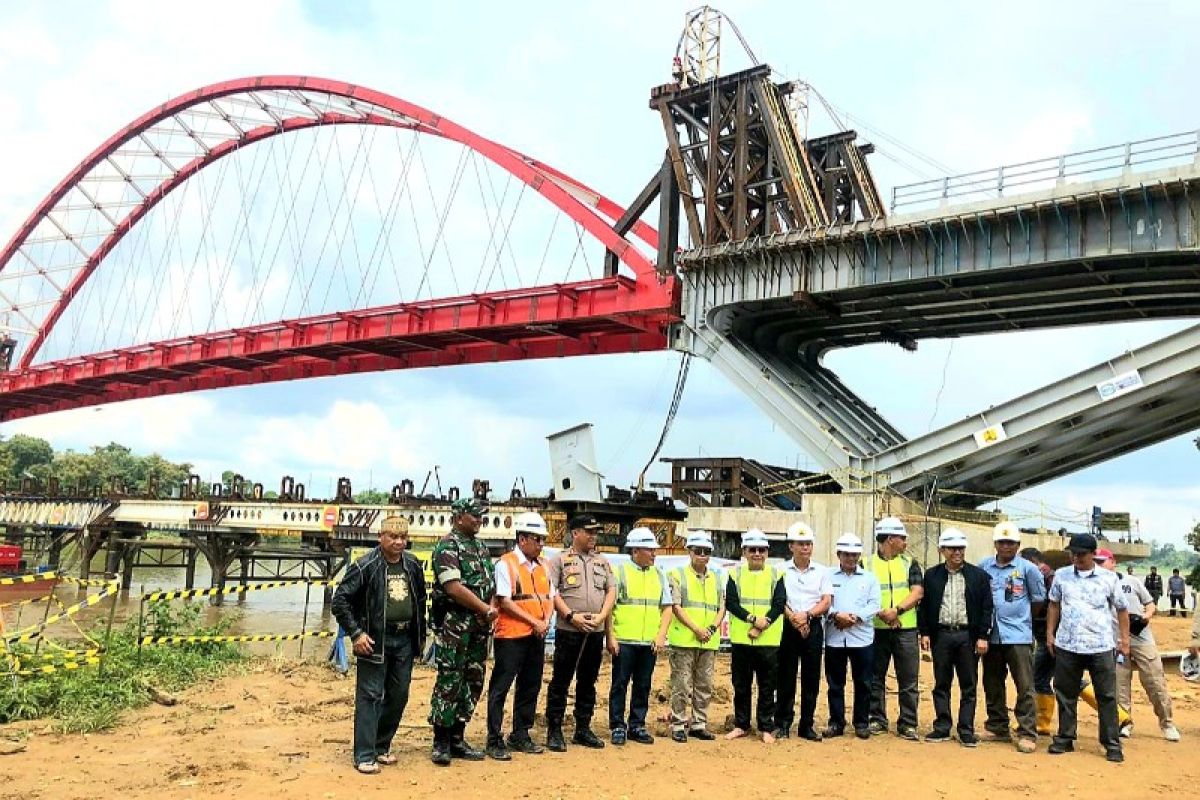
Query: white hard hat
(530, 522)
(754, 538)
(952, 537)
(641, 537)
(849, 543)
(1006, 532)
(890, 526)
(699, 539)
(800, 532)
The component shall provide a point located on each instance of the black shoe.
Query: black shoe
(862, 733)
(462, 749)
(937, 737)
(585, 737)
(782, 733)
(525, 745)
(679, 736)
(440, 754)
(703, 734)
(834, 731)
(618, 736)
(498, 751)
(968, 740)
(877, 728)
(554, 740)
(1057, 748)
(641, 736)
(908, 733)
(809, 734)
(1115, 755)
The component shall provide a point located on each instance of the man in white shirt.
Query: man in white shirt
(809, 594)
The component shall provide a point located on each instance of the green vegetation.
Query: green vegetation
(24, 456)
(81, 701)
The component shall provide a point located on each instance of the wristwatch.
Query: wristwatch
(752, 619)
(570, 616)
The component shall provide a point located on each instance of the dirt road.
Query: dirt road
(283, 729)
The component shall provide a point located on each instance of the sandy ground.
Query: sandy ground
(285, 727)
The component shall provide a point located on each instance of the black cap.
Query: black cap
(584, 521)
(1082, 543)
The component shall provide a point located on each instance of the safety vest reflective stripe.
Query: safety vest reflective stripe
(637, 613)
(701, 598)
(531, 592)
(755, 588)
(892, 575)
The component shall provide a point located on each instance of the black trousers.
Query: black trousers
(1177, 600)
(860, 661)
(520, 661)
(1068, 681)
(799, 655)
(634, 663)
(576, 657)
(954, 654)
(754, 664)
(1043, 667)
(380, 695)
(901, 647)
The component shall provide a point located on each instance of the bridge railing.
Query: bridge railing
(1045, 173)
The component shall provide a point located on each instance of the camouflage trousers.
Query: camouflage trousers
(461, 653)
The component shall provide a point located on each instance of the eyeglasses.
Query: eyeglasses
(756, 549)
(702, 551)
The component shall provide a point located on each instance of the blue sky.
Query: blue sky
(972, 85)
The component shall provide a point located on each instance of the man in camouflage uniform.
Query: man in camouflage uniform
(462, 596)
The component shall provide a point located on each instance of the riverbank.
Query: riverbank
(284, 727)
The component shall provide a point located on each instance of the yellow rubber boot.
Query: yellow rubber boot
(1088, 696)
(1045, 714)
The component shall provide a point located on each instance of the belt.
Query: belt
(396, 627)
(952, 627)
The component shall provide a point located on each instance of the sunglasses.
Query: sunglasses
(756, 549)
(702, 551)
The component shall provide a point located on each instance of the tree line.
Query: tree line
(26, 460)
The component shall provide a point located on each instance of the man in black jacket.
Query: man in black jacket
(955, 620)
(381, 603)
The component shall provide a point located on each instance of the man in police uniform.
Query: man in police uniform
(525, 600)
(756, 599)
(637, 633)
(899, 577)
(809, 589)
(698, 609)
(462, 600)
(586, 592)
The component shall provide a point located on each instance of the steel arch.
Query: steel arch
(345, 104)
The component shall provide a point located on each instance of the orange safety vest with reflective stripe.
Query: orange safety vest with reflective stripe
(530, 592)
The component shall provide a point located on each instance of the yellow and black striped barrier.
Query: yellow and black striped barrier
(39, 577)
(26, 602)
(34, 631)
(180, 594)
(47, 669)
(254, 637)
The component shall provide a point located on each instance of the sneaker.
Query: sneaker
(497, 751)
(1058, 748)
(834, 731)
(387, 759)
(618, 736)
(680, 736)
(968, 740)
(908, 733)
(783, 733)
(875, 728)
(1127, 730)
(440, 754)
(703, 734)
(1170, 733)
(367, 768)
(554, 740)
(1026, 745)
(863, 733)
(936, 737)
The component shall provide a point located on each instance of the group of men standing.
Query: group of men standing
(866, 614)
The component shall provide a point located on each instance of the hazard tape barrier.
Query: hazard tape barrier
(26, 602)
(179, 594)
(38, 577)
(47, 669)
(34, 631)
(264, 637)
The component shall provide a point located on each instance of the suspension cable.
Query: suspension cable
(685, 364)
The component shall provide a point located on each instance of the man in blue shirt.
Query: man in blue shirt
(849, 635)
(1018, 591)
(1079, 632)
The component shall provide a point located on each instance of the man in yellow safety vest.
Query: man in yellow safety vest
(698, 608)
(637, 633)
(899, 577)
(756, 599)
